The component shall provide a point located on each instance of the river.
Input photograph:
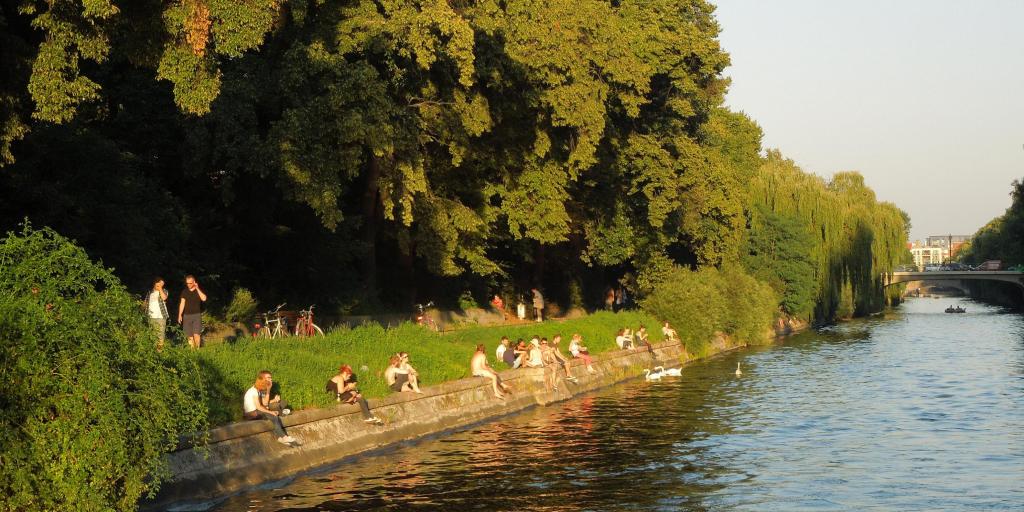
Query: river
(916, 410)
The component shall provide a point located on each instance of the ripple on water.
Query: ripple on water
(919, 413)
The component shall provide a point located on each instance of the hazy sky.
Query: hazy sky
(924, 98)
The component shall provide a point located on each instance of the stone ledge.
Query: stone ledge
(245, 454)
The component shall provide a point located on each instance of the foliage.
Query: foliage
(89, 407)
(302, 370)
(242, 307)
(855, 238)
(699, 304)
(779, 251)
(394, 148)
(1002, 238)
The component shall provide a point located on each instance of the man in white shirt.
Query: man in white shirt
(502, 347)
(156, 307)
(257, 405)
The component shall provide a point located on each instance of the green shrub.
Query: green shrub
(88, 406)
(702, 302)
(242, 307)
(302, 366)
(467, 302)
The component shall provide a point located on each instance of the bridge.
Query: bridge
(1006, 276)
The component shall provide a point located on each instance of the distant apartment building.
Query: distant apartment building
(937, 249)
(924, 255)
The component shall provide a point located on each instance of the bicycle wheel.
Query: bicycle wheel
(264, 333)
(316, 328)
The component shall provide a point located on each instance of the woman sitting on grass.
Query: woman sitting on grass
(479, 368)
(400, 376)
(343, 385)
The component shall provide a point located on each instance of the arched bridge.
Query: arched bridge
(1016, 278)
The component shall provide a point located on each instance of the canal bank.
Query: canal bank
(243, 455)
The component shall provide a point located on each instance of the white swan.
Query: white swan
(738, 372)
(671, 372)
(651, 376)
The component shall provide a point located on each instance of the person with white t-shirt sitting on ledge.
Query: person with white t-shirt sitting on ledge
(259, 405)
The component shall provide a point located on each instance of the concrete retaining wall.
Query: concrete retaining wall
(245, 454)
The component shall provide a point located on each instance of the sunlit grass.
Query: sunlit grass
(302, 366)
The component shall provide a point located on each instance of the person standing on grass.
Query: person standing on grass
(156, 307)
(479, 368)
(257, 404)
(538, 305)
(190, 311)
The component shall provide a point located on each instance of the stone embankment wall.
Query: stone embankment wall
(242, 455)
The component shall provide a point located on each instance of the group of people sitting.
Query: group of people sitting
(539, 352)
(261, 403)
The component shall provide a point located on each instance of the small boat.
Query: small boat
(957, 309)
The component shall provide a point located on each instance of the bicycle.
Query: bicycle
(273, 327)
(423, 319)
(304, 326)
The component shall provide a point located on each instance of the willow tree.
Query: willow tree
(856, 237)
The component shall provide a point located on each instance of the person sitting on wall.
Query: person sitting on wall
(640, 338)
(556, 353)
(502, 347)
(343, 385)
(577, 349)
(624, 338)
(257, 404)
(399, 376)
(479, 368)
(414, 376)
(669, 333)
(535, 358)
(510, 356)
(520, 353)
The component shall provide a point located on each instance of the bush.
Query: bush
(89, 407)
(242, 307)
(701, 303)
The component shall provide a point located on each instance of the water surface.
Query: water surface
(919, 410)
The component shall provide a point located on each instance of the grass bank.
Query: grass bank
(302, 366)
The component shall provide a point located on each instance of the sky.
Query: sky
(924, 98)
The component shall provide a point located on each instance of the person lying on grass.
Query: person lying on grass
(259, 405)
(399, 377)
(343, 385)
(479, 368)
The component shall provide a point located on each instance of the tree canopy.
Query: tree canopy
(369, 153)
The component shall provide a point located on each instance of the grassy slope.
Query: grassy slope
(302, 366)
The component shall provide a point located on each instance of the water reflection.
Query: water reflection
(916, 410)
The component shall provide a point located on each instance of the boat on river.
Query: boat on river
(957, 309)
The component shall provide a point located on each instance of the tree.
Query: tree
(778, 251)
(89, 407)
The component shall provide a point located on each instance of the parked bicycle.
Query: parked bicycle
(423, 319)
(304, 326)
(275, 325)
